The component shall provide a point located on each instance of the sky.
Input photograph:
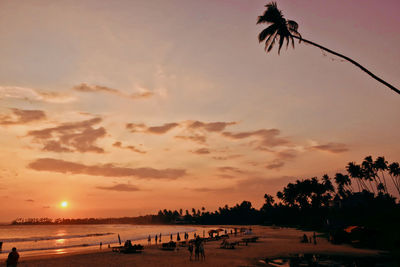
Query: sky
(123, 108)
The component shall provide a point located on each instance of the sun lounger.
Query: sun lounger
(228, 245)
(168, 246)
(128, 248)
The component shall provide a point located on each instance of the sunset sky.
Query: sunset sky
(123, 108)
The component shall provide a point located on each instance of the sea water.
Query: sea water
(60, 239)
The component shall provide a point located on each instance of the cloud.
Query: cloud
(120, 187)
(275, 164)
(228, 157)
(106, 170)
(86, 88)
(132, 148)
(201, 151)
(210, 127)
(21, 116)
(281, 158)
(332, 147)
(230, 169)
(31, 94)
(29, 200)
(201, 139)
(133, 127)
(267, 138)
(211, 189)
(46, 207)
(70, 137)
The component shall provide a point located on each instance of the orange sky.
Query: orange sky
(123, 108)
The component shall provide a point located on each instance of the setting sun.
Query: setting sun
(64, 204)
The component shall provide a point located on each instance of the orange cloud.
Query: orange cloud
(31, 94)
(201, 139)
(281, 158)
(86, 88)
(70, 137)
(120, 187)
(21, 116)
(332, 147)
(133, 127)
(267, 138)
(211, 126)
(132, 148)
(106, 170)
(201, 151)
(230, 169)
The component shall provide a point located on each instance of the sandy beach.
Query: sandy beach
(272, 242)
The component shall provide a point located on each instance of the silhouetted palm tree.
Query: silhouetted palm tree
(287, 30)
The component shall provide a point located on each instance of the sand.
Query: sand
(272, 242)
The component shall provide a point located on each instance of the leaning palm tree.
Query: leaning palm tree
(287, 30)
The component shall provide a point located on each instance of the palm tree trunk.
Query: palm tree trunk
(351, 61)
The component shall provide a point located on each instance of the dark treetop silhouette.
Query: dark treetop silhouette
(286, 30)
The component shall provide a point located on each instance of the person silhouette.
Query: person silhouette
(155, 238)
(13, 257)
(149, 239)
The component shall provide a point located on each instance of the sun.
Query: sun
(64, 204)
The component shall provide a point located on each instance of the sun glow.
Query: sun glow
(64, 204)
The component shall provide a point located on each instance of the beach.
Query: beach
(272, 242)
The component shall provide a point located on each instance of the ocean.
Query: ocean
(60, 239)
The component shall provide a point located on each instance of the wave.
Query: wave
(42, 238)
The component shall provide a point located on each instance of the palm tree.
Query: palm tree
(287, 30)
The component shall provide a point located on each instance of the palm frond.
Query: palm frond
(272, 42)
(267, 31)
(271, 15)
(281, 40)
(269, 40)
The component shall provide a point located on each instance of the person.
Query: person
(305, 239)
(315, 238)
(190, 248)
(101, 244)
(155, 238)
(13, 257)
(171, 237)
(159, 238)
(149, 239)
(197, 248)
(201, 251)
(178, 238)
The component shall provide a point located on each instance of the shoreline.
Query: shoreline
(273, 242)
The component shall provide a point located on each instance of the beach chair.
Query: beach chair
(171, 246)
(227, 245)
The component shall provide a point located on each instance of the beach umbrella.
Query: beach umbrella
(119, 239)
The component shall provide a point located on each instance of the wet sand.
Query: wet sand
(272, 242)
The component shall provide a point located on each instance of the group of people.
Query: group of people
(199, 252)
(157, 238)
(312, 239)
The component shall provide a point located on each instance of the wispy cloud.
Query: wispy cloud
(281, 158)
(133, 127)
(332, 147)
(201, 151)
(230, 169)
(86, 88)
(201, 139)
(21, 116)
(209, 126)
(132, 148)
(106, 170)
(267, 138)
(70, 137)
(31, 94)
(120, 187)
